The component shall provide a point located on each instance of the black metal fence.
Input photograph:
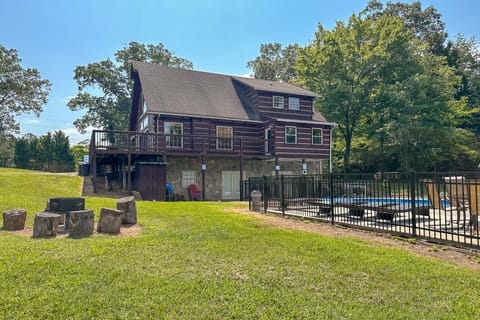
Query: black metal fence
(442, 207)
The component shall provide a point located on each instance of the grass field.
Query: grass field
(200, 261)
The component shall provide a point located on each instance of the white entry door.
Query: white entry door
(231, 185)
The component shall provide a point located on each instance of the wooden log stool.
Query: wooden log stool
(110, 221)
(81, 223)
(14, 219)
(128, 206)
(45, 225)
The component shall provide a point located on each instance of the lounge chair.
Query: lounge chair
(474, 201)
(388, 212)
(433, 195)
(194, 191)
(457, 195)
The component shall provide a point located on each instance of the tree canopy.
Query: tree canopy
(402, 94)
(21, 90)
(50, 152)
(275, 63)
(110, 109)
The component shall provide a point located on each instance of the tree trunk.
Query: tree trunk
(14, 219)
(81, 223)
(110, 221)
(45, 225)
(128, 206)
(346, 156)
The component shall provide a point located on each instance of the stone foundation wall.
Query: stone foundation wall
(215, 167)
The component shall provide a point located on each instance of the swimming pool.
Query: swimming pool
(418, 202)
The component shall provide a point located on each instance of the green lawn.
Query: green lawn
(198, 261)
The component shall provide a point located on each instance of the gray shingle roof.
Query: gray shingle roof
(185, 92)
(275, 86)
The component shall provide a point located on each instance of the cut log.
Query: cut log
(14, 219)
(110, 221)
(128, 206)
(45, 225)
(137, 195)
(81, 223)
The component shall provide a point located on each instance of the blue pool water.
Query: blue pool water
(418, 202)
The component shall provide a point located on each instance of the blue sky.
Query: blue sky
(219, 36)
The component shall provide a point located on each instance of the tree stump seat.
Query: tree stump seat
(110, 221)
(14, 219)
(81, 223)
(45, 225)
(128, 206)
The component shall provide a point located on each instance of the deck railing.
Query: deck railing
(141, 142)
(443, 207)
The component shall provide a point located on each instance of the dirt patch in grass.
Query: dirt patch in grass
(125, 231)
(462, 257)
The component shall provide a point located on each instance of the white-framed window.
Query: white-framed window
(317, 136)
(290, 134)
(188, 177)
(278, 102)
(224, 138)
(173, 134)
(293, 103)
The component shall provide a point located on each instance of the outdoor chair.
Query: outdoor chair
(474, 200)
(433, 195)
(457, 195)
(194, 191)
(170, 192)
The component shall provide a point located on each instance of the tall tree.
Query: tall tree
(274, 62)
(426, 24)
(464, 55)
(345, 67)
(62, 155)
(22, 153)
(111, 109)
(21, 89)
(378, 82)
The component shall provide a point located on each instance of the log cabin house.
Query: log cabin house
(212, 130)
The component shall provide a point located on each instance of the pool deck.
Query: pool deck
(441, 225)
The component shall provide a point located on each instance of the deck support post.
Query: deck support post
(204, 168)
(241, 169)
(129, 174)
(93, 162)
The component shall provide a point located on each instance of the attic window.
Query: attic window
(278, 102)
(144, 110)
(293, 103)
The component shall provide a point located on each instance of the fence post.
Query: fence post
(413, 202)
(282, 194)
(332, 208)
(264, 192)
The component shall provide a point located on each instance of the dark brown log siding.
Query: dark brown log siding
(304, 147)
(265, 107)
(198, 130)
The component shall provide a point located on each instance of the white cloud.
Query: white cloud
(247, 75)
(75, 137)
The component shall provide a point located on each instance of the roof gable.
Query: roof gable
(193, 93)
